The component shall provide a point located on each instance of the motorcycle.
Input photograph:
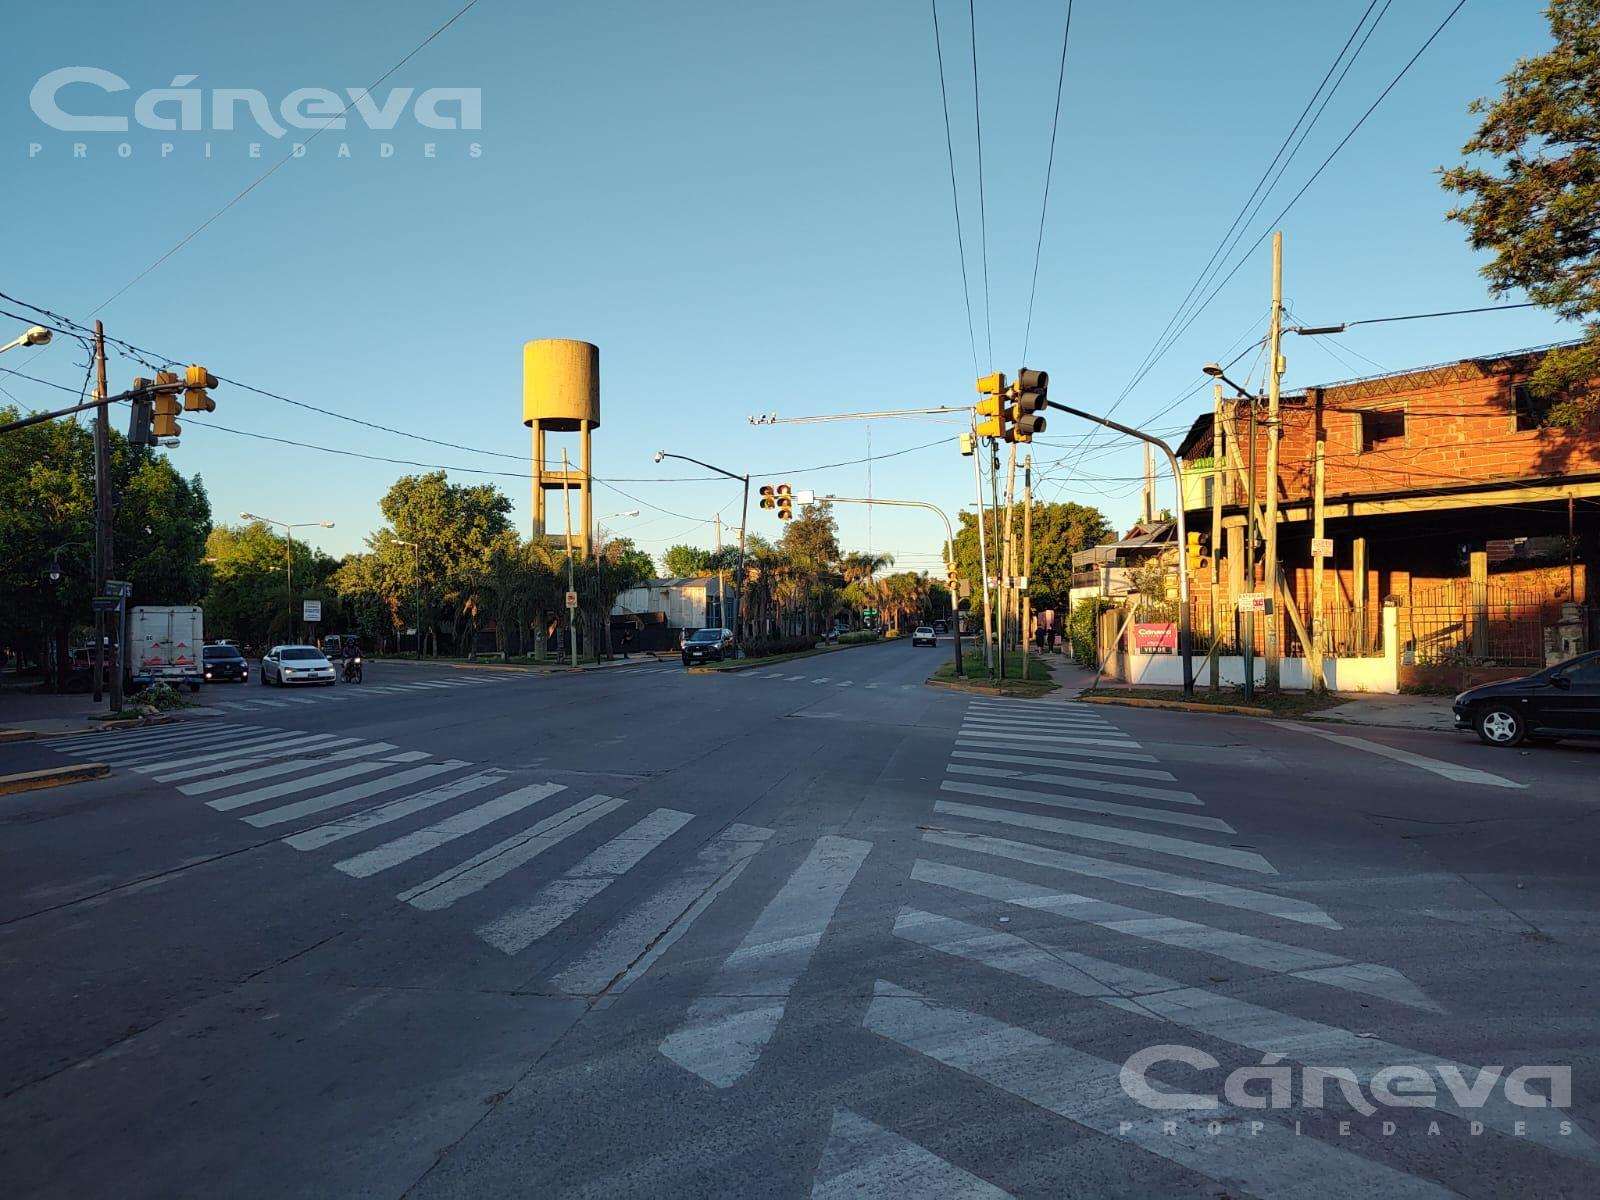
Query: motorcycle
(352, 669)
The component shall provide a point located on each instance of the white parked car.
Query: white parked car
(296, 664)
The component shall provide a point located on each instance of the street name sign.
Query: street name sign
(312, 611)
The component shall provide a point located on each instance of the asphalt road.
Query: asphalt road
(814, 931)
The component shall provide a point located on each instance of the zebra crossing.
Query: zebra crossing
(266, 700)
(1016, 768)
(823, 680)
(1055, 853)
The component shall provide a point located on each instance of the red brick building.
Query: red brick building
(1445, 491)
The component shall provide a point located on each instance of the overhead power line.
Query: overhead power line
(983, 218)
(270, 171)
(1049, 168)
(955, 195)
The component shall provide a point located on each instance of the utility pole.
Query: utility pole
(1013, 597)
(722, 612)
(983, 554)
(1250, 561)
(994, 490)
(1274, 378)
(1027, 558)
(1314, 651)
(1219, 451)
(1148, 513)
(103, 527)
(572, 608)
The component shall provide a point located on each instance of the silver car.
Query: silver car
(296, 664)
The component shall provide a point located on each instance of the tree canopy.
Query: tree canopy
(1059, 531)
(1536, 203)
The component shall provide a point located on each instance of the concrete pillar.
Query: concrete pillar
(1478, 566)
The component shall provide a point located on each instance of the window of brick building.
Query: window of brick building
(1383, 428)
(1532, 411)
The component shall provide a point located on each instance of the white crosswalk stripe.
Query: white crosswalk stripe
(394, 810)
(518, 928)
(1084, 804)
(276, 770)
(186, 764)
(1137, 790)
(865, 1159)
(1081, 748)
(1224, 856)
(1062, 764)
(729, 1026)
(349, 795)
(499, 860)
(403, 849)
(1085, 1090)
(632, 946)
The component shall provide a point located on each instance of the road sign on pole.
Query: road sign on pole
(1255, 602)
(312, 611)
(572, 599)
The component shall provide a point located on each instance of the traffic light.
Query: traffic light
(785, 501)
(952, 576)
(991, 409)
(194, 390)
(1194, 552)
(166, 424)
(769, 497)
(1031, 397)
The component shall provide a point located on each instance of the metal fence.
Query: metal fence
(1479, 624)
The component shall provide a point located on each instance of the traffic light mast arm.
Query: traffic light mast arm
(38, 418)
(1183, 541)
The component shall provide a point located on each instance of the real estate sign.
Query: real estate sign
(1155, 638)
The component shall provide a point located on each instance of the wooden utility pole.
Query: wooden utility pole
(1274, 380)
(983, 553)
(1027, 559)
(1314, 651)
(722, 612)
(1011, 619)
(572, 609)
(1219, 450)
(104, 523)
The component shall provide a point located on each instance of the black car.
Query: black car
(1559, 701)
(707, 645)
(223, 663)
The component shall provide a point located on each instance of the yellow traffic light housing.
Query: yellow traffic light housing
(785, 501)
(991, 412)
(769, 497)
(1194, 552)
(165, 422)
(194, 393)
(1030, 397)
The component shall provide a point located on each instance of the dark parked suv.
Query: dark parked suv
(1559, 701)
(707, 645)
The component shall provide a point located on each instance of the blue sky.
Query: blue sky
(747, 207)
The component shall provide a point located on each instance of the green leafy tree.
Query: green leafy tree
(1535, 204)
(1059, 531)
(681, 562)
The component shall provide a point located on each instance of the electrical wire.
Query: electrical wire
(1049, 169)
(955, 196)
(270, 171)
(983, 218)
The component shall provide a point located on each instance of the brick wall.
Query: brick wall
(1460, 428)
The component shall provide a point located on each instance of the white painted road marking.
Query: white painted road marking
(1073, 764)
(349, 795)
(1085, 1090)
(505, 856)
(1136, 790)
(1451, 771)
(1302, 911)
(864, 1159)
(289, 787)
(519, 927)
(1106, 808)
(276, 769)
(403, 849)
(631, 947)
(726, 1030)
(322, 835)
(1001, 742)
(1222, 856)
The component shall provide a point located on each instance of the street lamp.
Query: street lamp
(416, 563)
(744, 516)
(1247, 617)
(288, 549)
(37, 336)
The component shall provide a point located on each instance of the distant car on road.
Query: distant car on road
(222, 662)
(1557, 702)
(941, 626)
(923, 635)
(707, 645)
(296, 664)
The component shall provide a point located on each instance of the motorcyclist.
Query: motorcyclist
(352, 659)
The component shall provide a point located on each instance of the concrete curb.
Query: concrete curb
(22, 735)
(1238, 710)
(978, 689)
(752, 664)
(30, 781)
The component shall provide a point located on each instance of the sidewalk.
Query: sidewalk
(26, 714)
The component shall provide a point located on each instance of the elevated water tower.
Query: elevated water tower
(561, 394)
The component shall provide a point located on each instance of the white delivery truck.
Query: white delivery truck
(165, 643)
